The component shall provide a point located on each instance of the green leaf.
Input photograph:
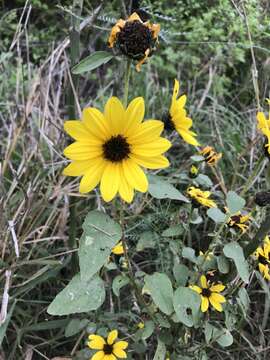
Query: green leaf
(189, 253)
(78, 296)
(223, 264)
(75, 326)
(118, 282)
(222, 336)
(101, 234)
(216, 215)
(92, 62)
(235, 202)
(185, 298)
(174, 230)
(204, 180)
(181, 273)
(197, 158)
(235, 252)
(243, 300)
(148, 329)
(161, 189)
(160, 351)
(148, 239)
(160, 288)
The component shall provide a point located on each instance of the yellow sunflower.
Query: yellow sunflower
(135, 39)
(264, 127)
(108, 349)
(110, 149)
(209, 294)
(177, 117)
(210, 155)
(262, 254)
(201, 197)
(239, 221)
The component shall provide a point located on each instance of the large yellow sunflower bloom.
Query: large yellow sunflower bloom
(108, 349)
(209, 294)
(262, 254)
(264, 127)
(110, 149)
(178, 117)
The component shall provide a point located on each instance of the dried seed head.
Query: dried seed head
(262, 198)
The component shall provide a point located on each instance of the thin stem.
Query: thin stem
(253, 175)
(127, 77)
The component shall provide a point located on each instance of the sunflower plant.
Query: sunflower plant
(152, 281)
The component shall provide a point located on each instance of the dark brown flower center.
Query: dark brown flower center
(108, 349)
(168, 123)
(262, 198)
(263, 260)
(236, 219)
(206, 293)
(116, 149)
(134, 39)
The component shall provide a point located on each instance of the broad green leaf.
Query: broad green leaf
(75, 326)
(161, 189)
(204, 180)
(160, 351)
(234, 251)
(186, 299)
(222, 336)
(189, 253)
(101, 234)
(243, 300)
(118, 282)
(235, 202)
(78, 296)
(181, 273)
(160, 288)
(92, 62)
(174, 230)
(216, 215)
(223, 264)
(148, 239)
(197, 158)
(148, 329)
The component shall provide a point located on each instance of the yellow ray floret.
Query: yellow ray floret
(178, 117)
(112, 147)
(262, 254)
(264, 126)
(201, 197)
(210, 155)
(210, 294)
(109, 349)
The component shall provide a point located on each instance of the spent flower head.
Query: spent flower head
(201, 197)
(210, 155)
(262, 255)
(111, 148)
(135, 38)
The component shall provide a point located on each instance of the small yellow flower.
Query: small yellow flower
(264, 127)
(262, 254)
(201, 197)
(210, 294)
(135, 39)
(118, 249)
(209, 255)
(210, 155)
(108, 349)
(177, 117)
(111, 148)
(193, 172)
(141, 325)
(239, 221)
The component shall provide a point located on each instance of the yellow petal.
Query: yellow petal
(156, 162)
(92, 177)
(134, 116)
(147, 132)
(110, 180)
(109, 357)
(262, 122)
(196, 288)
(96, 342)
(125, 190)
(182, 122)
(98, 356)
(217, 288)
(77, 168)
(134, 17)
(186, 135)
(135, 175)
(203, 282)
(95, 122)
(112, 337)
(151, 149)
(181, 102)
(82, 151)
(120, 353)
(121, 345)
(118, 249)
(204, 303)
(216, 304)
(218, 297)
(115, 115)
(77, 130)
